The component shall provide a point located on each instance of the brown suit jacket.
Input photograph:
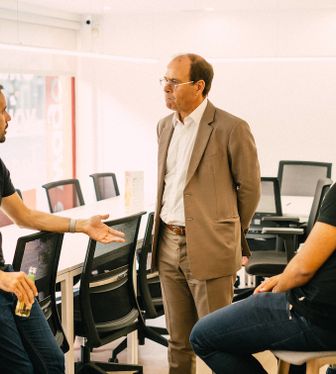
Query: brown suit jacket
(221, 192)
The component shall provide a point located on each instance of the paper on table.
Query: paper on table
(134, 190)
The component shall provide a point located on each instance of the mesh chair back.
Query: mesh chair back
(107, 300)
(299, 178)
(149, 295)
(105, 185)
(63, 194)
(322, 188)
(269, 203)
(42, 250)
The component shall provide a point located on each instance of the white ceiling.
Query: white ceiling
(114, 6)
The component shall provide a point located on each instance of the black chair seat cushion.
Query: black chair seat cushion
(266, 263)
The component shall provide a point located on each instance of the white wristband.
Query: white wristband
(72, 225)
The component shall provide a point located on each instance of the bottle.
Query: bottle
(23, 310)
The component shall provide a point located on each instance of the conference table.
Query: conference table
(298, 206)
(72, 258)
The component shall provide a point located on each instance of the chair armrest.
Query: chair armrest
(282, 230)
(289, 235)
(281, 219)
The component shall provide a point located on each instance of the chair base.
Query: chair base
(102, 368)
(155, 334)
(150, 332)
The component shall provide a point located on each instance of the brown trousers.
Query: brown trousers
(186, 299)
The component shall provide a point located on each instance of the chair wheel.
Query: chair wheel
(114, 359)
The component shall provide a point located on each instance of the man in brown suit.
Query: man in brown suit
(208, 190)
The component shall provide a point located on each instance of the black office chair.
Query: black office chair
(105, 185)
(269, 263)
(269, 206)
(63, 194)
(42, 250)
(299, 178)
(149, 290)
(149, 296)
(106, 307)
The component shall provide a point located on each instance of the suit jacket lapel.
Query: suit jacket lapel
(165, 137)
(202, 138)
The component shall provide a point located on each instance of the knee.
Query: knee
(197, 338)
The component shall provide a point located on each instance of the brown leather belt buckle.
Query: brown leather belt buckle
(178, 230)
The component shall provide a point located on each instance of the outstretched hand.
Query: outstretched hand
(97, 230)
(19, 284)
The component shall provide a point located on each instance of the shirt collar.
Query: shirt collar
(194, 116)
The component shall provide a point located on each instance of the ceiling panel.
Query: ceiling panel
(115, 6)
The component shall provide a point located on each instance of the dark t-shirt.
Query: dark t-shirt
(316, 300)
(6, 189)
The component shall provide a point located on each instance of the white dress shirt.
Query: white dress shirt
(178, 158)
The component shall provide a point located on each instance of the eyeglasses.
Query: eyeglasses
(172, 82)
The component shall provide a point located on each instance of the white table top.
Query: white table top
(298, 206)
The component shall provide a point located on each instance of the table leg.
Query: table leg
(67, 319)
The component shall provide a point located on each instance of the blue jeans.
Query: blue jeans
(226, 338)
(27, 345)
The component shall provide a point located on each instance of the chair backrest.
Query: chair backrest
(42, 250)
(322, 188)
(63, 194)
(299, 178)
(270, 201)
(149, 291)
(107, 299)
(105, 185)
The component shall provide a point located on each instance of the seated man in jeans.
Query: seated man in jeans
(23, 339)
(294, 310)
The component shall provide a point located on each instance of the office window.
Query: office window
(39, 144)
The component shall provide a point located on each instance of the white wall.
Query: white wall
(289, 104)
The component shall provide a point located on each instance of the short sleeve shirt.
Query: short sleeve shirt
(316, 300)
(6, 189)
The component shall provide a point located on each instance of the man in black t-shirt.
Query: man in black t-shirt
(295, 310)
(19, 337)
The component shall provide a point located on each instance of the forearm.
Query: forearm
(320, 244)
(33, 219)
(42, 221)
(292, 277)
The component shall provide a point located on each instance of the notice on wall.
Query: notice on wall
(134, 190)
